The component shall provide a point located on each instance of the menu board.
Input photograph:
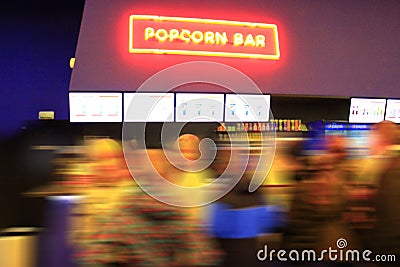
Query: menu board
(247, 108)
(367, 110)
(148, 107)
(95, 107)
(199, 107)
(393, 110)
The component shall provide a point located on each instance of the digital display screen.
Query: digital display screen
(199, 107)
(247, 108)
(95, 107)
(393, 110)
(148, 107)
(367, 110)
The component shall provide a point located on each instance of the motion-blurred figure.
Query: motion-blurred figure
(385, 142)
(315, 218)
(382, 142)
(169, 235)
(192, 174)
(117, 224)
(239, 218)
(93, 217)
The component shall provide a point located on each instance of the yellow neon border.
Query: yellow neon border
(203, 53)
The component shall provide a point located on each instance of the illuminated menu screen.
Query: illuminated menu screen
(393, 110)
(199, 107)
(367, 110)
(149, 107)
(247, 108)
(95, 107)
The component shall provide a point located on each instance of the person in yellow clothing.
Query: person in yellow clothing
(192, 175)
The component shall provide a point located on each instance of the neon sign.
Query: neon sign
(202, 37)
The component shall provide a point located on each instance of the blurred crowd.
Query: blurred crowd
(116, 223)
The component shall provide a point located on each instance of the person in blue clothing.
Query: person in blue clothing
(237, 219)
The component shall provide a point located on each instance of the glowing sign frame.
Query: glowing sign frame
(272, 27)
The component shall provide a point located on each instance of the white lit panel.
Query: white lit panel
(199, 107)
(149, 107)
(393, 110)
(95, 107)
(247, 108)
(367, 110)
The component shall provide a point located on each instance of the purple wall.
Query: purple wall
(329, 48)
(37, 40)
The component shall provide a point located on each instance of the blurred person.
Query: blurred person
(120, 225)
(164, 235)
(384, 139)
(373, 173)
(191, 174)
(386, 232)
(315, 218)
(92, 218)
(382, 143)
(377, 174)
(239, 217)
(188, 147)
